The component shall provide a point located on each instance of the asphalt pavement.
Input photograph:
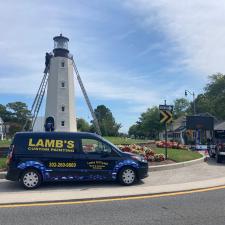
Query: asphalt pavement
(205, 174)
(190, 209)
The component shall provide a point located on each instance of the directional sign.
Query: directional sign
(166, 115)
(166, 107)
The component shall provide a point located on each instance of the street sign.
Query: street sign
(166, 115)
(166, 107)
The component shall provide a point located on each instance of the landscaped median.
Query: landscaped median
(2, 163)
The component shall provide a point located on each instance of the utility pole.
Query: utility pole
(193, 95)
(166, 155)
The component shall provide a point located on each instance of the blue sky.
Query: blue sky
(131, 54)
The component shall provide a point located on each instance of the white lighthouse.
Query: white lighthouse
(60, 106)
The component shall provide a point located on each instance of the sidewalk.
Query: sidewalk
(202, 175)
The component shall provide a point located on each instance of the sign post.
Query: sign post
(166, 117)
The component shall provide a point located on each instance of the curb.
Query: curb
(156, 168)
(176, 165)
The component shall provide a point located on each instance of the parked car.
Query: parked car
(217, 148)
(64, 156)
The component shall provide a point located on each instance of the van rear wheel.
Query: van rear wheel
(31, 179)
(218, 158)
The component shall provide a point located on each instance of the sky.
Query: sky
(131, 54)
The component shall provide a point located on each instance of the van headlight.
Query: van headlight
(139, 158)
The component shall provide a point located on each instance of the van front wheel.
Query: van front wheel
(31, 179)
(127, 176)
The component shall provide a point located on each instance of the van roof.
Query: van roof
(77, 134)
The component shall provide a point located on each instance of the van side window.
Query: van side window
(92, 146)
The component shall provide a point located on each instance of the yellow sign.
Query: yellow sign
(166, 116)
(51, 145)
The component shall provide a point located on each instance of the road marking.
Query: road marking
(110, 199)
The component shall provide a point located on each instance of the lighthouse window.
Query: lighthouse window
(62, 64)
(62, 123)
(62, 84)
(63, 108)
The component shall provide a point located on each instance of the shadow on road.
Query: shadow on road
(8, 186)
(212, 162)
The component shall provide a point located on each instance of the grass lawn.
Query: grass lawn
(179, 155)
(5, 143)
(121, 140)
(2, 163)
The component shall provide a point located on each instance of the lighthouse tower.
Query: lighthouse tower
(60, 106)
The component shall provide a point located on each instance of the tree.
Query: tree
(180, 107)
(5, 114)
(82, 125)
(148, 124)
(15, 115)
(213, 98)
(215, 94)
(106, 121)
(19, 112)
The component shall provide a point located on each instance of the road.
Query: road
(192, 177)
(197, 208)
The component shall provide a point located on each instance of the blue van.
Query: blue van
(37, 157)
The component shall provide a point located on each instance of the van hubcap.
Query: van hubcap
(30, 179)
(128, 176)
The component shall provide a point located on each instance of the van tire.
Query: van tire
(218, 158)
(31, 179)
(127, 176)
(211, 155)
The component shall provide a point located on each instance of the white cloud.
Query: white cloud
(196, 27)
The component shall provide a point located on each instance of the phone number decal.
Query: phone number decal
(62, 164)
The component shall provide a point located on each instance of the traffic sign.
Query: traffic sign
(166, 107)
(166, 115)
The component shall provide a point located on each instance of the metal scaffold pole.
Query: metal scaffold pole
(37, 101)
(87, 99)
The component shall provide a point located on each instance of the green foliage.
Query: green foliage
(5, 114)
(106, 121)
(2, 163)
(15, 115)
(124, 140)
(82, 125)
(180, 107)
(213, 98)
(5, 143)
(148, 124)
(19, 112)
(179, 155)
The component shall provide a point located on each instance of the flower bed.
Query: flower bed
(145, 151)
(170, 144)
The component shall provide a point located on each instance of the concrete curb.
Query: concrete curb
(176, 165)
(156, 168)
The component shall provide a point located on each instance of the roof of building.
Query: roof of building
(220, 126)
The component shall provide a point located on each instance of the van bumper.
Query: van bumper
(143, 172)
(13, 174)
